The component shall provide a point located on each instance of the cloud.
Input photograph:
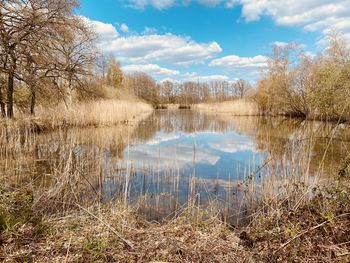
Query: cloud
(167, 48)
(232, 146)
(151, 69)
(163, 138)
(169, 79)
(193, 76)
(165, 4)
(106, 31)
(148, 48)
(179, 155)
(124, 28)
(285, 44)
(312, 15)
(280, 44)
(150, 31)
(158, 4)
(240, 63)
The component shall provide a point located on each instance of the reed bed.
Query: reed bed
(239, 107)
(95, 113)
(84, 114)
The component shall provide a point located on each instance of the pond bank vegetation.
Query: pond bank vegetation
(311, 87)
(238, 107)
(284, 228)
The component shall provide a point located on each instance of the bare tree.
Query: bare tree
(338, 51)
(74, 55)
(114, 73)
(168, 91)
(23, 23)
(241, 87)
(145, 87)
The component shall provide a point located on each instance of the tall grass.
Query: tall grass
(84, 114)
(99, 112)
(240, 107)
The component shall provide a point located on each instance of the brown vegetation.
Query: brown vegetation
(317, 230)
(238, 107)
(311, 87)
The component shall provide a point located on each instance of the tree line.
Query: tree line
(189, 92)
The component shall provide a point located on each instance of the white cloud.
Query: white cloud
(233, 146)
(163, 137)
(180, 156)
(167, 48)
(150, 31)
(158, 4)
(285, 44)
(142, 49)
(124, 28)
(280, 44)
(151, 69)
(193, 76)
(169, 79)
(240, 63)
(312, 15)
(164, 4)
(106, 31)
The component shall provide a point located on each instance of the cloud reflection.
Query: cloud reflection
(175, 156)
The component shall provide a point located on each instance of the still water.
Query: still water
(177, 157)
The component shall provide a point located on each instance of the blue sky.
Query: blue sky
(203, 40)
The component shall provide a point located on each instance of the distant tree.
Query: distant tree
(167, 91)
(241, 87)
(338, 51)
(102, 65)
(114, 73)
(145, 87)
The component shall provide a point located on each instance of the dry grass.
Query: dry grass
(85, 114)
(317, 231)
(240, 107)
(97, 113)
(116, 234)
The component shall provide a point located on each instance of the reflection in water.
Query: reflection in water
(177, 157)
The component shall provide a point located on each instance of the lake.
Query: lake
(177, 159)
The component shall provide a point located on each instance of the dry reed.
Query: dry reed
(97, 113)
(240, 107)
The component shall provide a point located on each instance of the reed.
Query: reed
(95, 113)
(239, 107)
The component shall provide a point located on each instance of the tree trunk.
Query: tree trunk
(10, 88)
(32, 103)
(2, 104)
